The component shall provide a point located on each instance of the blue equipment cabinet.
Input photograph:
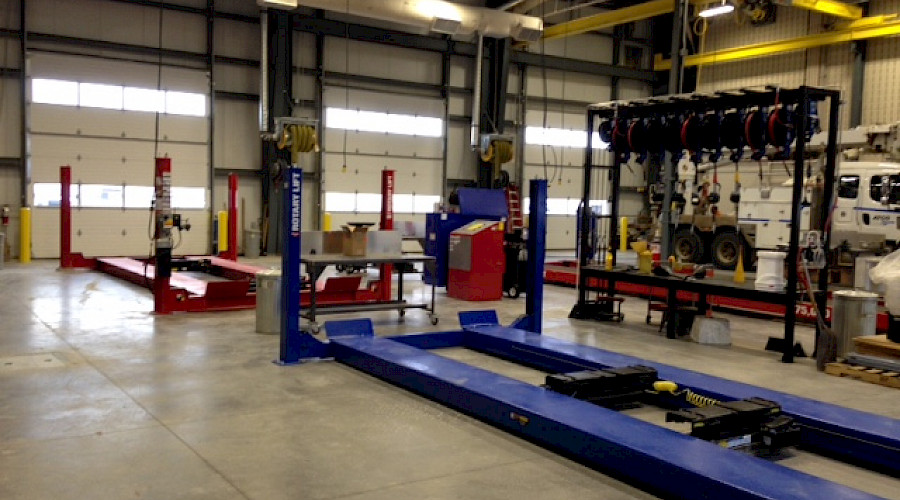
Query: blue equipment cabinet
(437, 238)
(474, 204)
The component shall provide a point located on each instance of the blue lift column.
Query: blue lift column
(296, 345)
(537, 249)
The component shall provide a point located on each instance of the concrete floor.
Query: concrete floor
(99, 399)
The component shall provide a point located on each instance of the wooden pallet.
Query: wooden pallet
(870, 375)
(877, 345)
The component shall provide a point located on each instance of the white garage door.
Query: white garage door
(100, 117)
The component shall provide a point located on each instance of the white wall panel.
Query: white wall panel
(237, 144)
(238, 7)
(111, 232)
(587, 47)
(304, 87)
(460, 104)
(53, 119)
(382, 61)
(117, 22)
(237, 39)
(94, 70)
(231, 78)
(10, 117)
(881, 99)
(460, 157)
(461, 71)
(569, 86)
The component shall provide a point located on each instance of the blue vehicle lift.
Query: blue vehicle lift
(656, 459)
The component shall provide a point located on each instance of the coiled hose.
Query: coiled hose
(690, 396)
(299, 139)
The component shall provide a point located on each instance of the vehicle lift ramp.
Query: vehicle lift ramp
(658, 460)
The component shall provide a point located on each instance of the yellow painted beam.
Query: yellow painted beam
(609, 19)
(830, 7)
(765, 49)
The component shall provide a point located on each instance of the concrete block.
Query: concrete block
(711, 331)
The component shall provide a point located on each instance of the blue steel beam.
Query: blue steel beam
(851, 435)
(661, 461)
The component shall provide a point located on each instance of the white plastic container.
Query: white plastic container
(770, 271)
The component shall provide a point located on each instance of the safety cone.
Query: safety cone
(739, 275)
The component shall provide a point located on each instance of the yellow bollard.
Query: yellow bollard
(223, 231)
(623, 235)
(25, 235)
(326, 221)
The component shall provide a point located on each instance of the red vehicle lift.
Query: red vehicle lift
(233, 285)
(233, 288)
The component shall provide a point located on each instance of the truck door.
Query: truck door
(845, 212)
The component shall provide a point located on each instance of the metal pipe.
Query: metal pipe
(264, 72)
(476, 93)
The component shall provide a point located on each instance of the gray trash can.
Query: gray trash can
(854, 315)
(251, 243)
(268, 301)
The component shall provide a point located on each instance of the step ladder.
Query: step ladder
(514, 206)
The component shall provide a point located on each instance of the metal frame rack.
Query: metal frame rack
(770, 97)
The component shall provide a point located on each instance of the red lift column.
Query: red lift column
(232, 252)
(65, 218)
(387, 224)
(67, 259)
(163, 236)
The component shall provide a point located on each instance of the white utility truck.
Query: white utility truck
(866, 216)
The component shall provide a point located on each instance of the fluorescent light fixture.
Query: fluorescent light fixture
(717, 10)
(278, 4)
(445, 26)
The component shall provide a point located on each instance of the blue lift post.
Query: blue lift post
(659, 460)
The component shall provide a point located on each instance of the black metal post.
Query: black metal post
(280, 71)
(25, 151)
(445, 96)
(585, 222)
(211, 69)
(495, 75)
(790, 317)
(319, 103)
(858, 72)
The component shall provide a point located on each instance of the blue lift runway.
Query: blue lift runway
(659, 460)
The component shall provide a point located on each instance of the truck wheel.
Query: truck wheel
(726, 247)
(687, 246)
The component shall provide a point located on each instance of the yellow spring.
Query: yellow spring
(698, 400)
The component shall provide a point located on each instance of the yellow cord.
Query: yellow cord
(689, 395)
(698, 400)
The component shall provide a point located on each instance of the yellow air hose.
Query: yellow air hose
(689, 395)
(299, 139)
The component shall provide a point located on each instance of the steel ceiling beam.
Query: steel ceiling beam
(612, 18)
(765, 49)
(828, 7)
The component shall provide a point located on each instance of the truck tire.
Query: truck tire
(726, 247)
(687, 246)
